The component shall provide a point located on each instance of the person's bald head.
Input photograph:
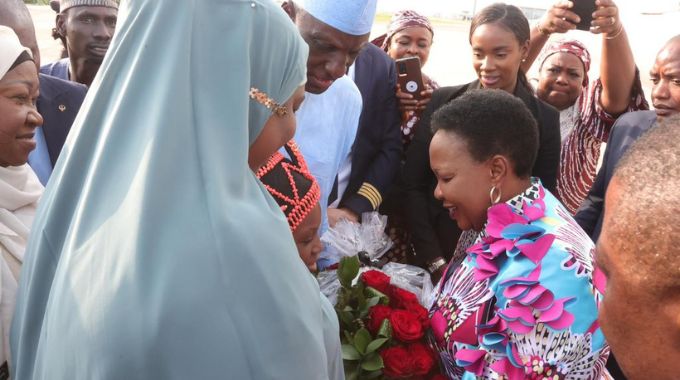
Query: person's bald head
(647, 207)
(14, 14)
(638, 252)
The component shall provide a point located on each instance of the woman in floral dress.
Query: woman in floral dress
(523, 303)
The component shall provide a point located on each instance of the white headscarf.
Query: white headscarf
(19, 194)
(10, 49)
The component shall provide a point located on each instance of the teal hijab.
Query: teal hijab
(156, 254)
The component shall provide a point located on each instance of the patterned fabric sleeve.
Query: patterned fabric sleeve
(581, 149)
(599, 122)
(524, 304)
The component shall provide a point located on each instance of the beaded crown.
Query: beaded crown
(291, 184)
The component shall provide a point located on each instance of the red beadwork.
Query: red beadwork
(297, 207)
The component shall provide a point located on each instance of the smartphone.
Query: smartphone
(410, 78)
(584, 9)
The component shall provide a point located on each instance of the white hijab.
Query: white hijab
(19, 194)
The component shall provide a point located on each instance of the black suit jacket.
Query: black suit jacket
(433, 232)
(625, 132)
(376, 153)
(58, 103)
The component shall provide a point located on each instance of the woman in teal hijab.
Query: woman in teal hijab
(156, 253)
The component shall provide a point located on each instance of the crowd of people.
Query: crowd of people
(164, 187)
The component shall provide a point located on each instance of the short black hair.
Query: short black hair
(646, 223)
(492, 122)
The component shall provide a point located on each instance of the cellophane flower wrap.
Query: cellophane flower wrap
(348, 239)
(382, 313)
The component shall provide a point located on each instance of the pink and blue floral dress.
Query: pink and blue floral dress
(523, 304)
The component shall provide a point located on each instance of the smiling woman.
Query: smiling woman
(522, 304)
(499, 38)
(19, 186)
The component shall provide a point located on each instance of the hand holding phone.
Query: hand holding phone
(560, 18)
(606, 19)
(410, 78)
(584, 10)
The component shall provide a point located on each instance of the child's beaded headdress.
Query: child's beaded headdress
(291, 184)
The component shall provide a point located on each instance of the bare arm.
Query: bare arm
(617, 68)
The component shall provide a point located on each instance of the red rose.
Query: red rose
(423, 358)
(376, 280)
(439, 376)
(376, 316)
(406, 326)
(421, 312)
(399, 298)
(397, 362)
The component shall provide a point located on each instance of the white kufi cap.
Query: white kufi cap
(353, 17)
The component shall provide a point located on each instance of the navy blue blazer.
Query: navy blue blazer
(624, 133)
(58, 103)
(377, 149)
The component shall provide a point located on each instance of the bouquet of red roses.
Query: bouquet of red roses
(382, 327)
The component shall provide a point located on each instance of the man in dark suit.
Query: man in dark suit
(666, 100)
(58, 103)
(59, 100)
(376, 152)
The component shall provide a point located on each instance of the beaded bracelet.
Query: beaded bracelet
(268, 102)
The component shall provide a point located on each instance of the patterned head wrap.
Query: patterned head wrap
(568, 46)
(291, 184)
(400, 21)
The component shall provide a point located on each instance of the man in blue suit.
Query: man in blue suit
(59, 100)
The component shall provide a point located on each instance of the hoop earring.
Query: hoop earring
(497, 198)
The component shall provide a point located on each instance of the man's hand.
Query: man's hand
(335, 214)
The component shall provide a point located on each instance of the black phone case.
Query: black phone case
(584, 9)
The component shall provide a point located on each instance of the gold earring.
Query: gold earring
(497, 198)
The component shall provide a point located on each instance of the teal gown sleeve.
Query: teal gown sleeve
(156, 254)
